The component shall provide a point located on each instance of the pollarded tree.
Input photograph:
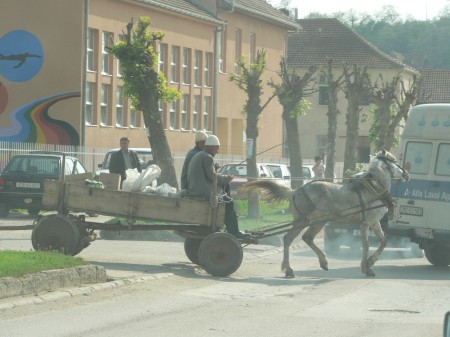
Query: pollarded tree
(356, 86)
(145, 86)
(291, 93)
(249, 80)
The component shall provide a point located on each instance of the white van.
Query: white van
(144, 154)
(422, 210)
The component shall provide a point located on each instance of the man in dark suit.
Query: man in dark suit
(124, 159)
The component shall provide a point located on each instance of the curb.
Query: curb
(85, 290)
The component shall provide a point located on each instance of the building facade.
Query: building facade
(59, 85)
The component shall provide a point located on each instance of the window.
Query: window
(443, 160)
(184, 112)
(90, 52)
(89, 112)
(363, 151)
(106, 56)
(162, 58)
(104, 105)
(120, 115)
(323, 90)
(196, 112)
(208, 67)
(119, 67)
(221, 42)
(365, 99)
(186, 65)
(418, 155)
(321, 145)
(252, 51)
(197, 67)
(174, 65)
(161, 111)
(206, 112)
(238, 50)
(134, 118)
(173, 114)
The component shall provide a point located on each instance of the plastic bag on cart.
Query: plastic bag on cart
(132, 176)
(147, 178)
(165, 189)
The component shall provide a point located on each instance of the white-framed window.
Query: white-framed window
(323, 90)
(238, 49)
(252, 50)
(134, 118)
(104, 104)
(206, 112)
(174, 64)
(106, 56)
(119, 67)
(89, 111)
(207, 69)
(90, 50)
(186, 65)
(120, 113)
(196, 112)
(197, 68)
(161, 112)
(162, 58)
(221, 41)
(173, 114)
(185, 112)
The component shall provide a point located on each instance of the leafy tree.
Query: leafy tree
(291, 93)
(146, 87)
(249, 80)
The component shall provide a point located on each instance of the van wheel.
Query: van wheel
(438, 255)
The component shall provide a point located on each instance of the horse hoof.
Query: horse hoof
(370, 273)
(324, 266)
(289, 274)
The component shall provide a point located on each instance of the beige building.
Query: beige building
(315, 43)
(45, 64)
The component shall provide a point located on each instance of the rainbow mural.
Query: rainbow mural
(32, 123)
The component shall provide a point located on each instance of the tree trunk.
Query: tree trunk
(293, 140)
(351, 142)
(158, 141)
(252, 170)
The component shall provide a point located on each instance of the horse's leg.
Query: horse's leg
(365, 267)
(287, 240)
(376, 228)
(308, 237)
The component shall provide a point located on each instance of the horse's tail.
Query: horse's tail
(274, 191)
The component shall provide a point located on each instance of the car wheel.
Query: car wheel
(438, 255)
(4, 210)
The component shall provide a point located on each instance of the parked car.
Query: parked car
(22, 179)
(280, 172)
(239, 171)
(144, 154)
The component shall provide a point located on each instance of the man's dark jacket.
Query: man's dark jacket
(117, 163)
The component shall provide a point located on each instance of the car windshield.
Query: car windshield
(33, 164)
(234, 170)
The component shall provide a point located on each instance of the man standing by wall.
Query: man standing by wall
(123, 160)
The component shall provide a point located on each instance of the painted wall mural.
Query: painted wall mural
(21, 59)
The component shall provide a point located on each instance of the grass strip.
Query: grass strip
(20, 263)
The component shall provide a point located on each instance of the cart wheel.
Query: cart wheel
(191, 248)
(55, 233)
(220, 254)
(83, 243)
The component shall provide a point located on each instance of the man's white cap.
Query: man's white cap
(200, 136)
(212, 141)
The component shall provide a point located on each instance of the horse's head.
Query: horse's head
(395, 170)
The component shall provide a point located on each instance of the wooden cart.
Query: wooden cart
(219, 253)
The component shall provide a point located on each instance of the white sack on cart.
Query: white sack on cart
(165, 190)
(146, 178)
(132, 176)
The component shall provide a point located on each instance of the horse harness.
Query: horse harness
(370, 183)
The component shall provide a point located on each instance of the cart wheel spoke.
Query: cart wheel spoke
(220, 254)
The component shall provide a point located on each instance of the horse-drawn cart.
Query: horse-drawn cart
(219, 253)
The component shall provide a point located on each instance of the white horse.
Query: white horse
(363, 202)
